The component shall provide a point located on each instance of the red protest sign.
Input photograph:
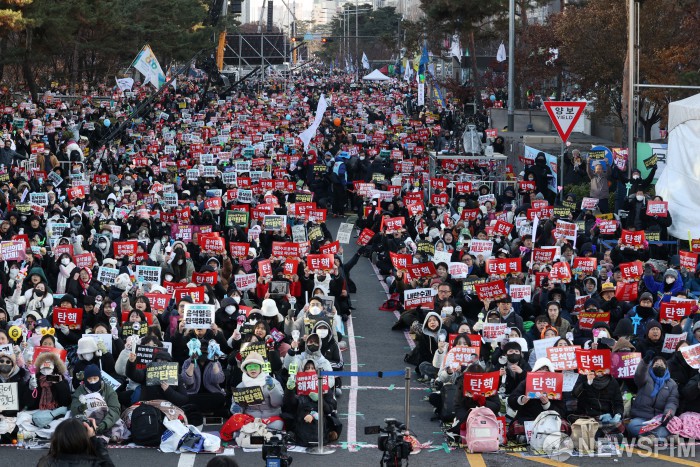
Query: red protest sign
(211, 242)
(596, 361)
(307, 383)
(688, 260)
(416, 271)
(392, 224)
(439, 199)
(265, 268)
(210, 278)
(540, 383)
(587, 266)
(490, 290)
(285, 249)
(76, 192)
(503, 266)
(607, 226)
(62, 353)
(527, 186)
(71, 317)
(482, 384)
(158, 301)
(290, 266)
(626, 291)
(399, 261)
(463, 187)
(633, 238)
(563, 358)
(460, 355)
(365, 237)
(85, 260)
(502, 228)
(330, 248)
(657, 208)
(560, 272)
(674, 311)
(239, 250)
(128, 248)
(632, 270)
(469, 215)
(543, 255)
(586, 319)
(213, 203)
(624, 364)
(320, 263)
(197, 294)
(691, 354)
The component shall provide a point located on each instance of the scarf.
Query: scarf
(46, 402)
(252, 382)
(86, 284)
(64, 274)
(658, 381)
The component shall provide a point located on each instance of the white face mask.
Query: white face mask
(236, 299)
(670, 280)
(322, 333)
(315, 310)
(640, 197)
(180, 262)
(65, 261)
(462, 204)
(635, 177)
(447, 309)
(230, 310)
(603, 335)
(47, 370)
(88, 356)
(168, 278)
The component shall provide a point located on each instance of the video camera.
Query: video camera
(391, 442)
(274, 451)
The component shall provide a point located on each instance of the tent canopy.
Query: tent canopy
(376, 75)
(683, 110)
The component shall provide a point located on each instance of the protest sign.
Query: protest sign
(365, 237)
(657, 208)
(587, 319)
(494, 332)
(248, 396)
(674, 311)
(671, 342)
(416, 271)
(633, 270)
(585, 265)
(245, 281)
(14, 250)
(520, 293)
(544, 383)
(481, 247)
(624, 364)
(71, 317)
(320, 262)
(161, 372)
(560, 272)
(458, 270)
(158, 301)
(107, 275)
(272, 223)
(128, 248)
(688, 260)
(9, 398)
(482, 384)
(490, 290)
(210, 278)
(595, 361)
(344, 233)
(418, 298)
(199, 316)
(150, 274)
(460, 356)
(62, 353)
(503, 266)
(307, 383)
(563, 358)
(691, 353)
(633, 238)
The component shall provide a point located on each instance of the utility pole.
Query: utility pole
(511, 66)
(631, 27)
(357, 50)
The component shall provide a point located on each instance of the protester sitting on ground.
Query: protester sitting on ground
(75, 442)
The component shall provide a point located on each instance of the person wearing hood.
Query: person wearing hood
(202, 373)
(543, 175)
(330, 350)
(644, 311)
(600, 397)
(512, 363)
(426, 345)
(304, 322)
(529, 408)
(273, 394)
(653, 340)
(175, 394)
(92, 384)
(90, 354)
(52, 396)
(226, 317)
(465, 402)
(657, 394)
(66, 270)
(671, 284)
(37, 299)
(312, 351)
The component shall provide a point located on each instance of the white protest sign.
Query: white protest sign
(458, 270)
(344, 233)
(541, 346)
(148, 274)
(107, 275)
(245, 281)
(105, 338)
(198, 316)
(481, 247)
(9, 399)
(442, 257)
(298, 233)
(671, 341)
(520, 293)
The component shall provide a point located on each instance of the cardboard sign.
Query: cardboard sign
(589, 203)
(671, 341)
(674, 311)
(565, 230)
(632, 270)
(71, 317)
(161, 372)
(657, 208)
(417, 298)
(416, 271)
(320, 263)
(307, 383)
(586, 319)
(624, 364)
(632, 238)
(248, 396)
(563, 358)
(9, 397)
(595, 361)
(549, 383)
(586, 266)
(199, 316)
(484, 384)
(459, 356)
(520, 293)
(503, 266)
(688, 260)
(365, 237)
(490, 290)
(691, 353)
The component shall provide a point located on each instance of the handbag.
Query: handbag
(583, 433)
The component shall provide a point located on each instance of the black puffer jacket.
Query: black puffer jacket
(80, 460)
(601, 397)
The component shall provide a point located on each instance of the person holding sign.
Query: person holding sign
(670, 285)
(52, 391)
(657, 396)
(177, 395)
(11, 373)
(467, 400)
(600, 397)
(270, 408)
(529, 408)
(102, 406)
(202, 373)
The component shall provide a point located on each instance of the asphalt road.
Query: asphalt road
(368, 401)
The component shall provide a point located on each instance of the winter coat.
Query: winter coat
(210, 380)
(679, 369)
(464, 404)
(175, 394)
(80, 460)
(533, 407)
(599, 183)
(300, 359)
(660, 291)
(598, 398)
(110, 397)
(21, 377)
(60, 391)
(272, 401)
(41, 305)
(690, 395)
(646, 407)
(105, 362)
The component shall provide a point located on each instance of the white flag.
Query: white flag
(147, 63)
(310, 132)
(365, 61)
(125, 84)
(406, 71)
(455, 49)
(501, 55)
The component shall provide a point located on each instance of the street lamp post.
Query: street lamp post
(511, 66)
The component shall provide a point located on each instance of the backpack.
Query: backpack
(547, 423)
(147, 425)
(482, 431)
(448, 392)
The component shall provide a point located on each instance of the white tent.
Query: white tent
(376, 75)
(678, 183)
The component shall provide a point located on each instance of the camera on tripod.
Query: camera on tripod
(274, 448)
(391, 442)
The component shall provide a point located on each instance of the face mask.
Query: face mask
(47, 370)
(322, 333)
(103, 245)
(635, 177)
(236, 299)
(65, 261)
(670, 280)
(230, 310)
(462, 204)
(315, 310)
(513, 358)
(448, 310)
(180, 262)
(13, 273)
(659, 371)
(603, 335)
(312, 348)
(88, 356)
(640, 198)
(5, 369)
(321, 278)
(168, 277)
(362, 158)
(93, 386)
(39, 293)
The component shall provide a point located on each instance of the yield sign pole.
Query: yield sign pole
(564, 115)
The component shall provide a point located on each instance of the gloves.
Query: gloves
(101, 347)
(235, 409)
(606, 418)
(64, 329)
(616, 419)
(214, 350)
(667, 417)
(649, 356)
(291, 384)
(269, 383)
(313, 396)
(32, 382)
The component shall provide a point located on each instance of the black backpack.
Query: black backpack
(147, 425)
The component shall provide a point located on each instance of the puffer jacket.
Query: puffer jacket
(601, 397)
(80, 460)
(646, 407)
(272, 401)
